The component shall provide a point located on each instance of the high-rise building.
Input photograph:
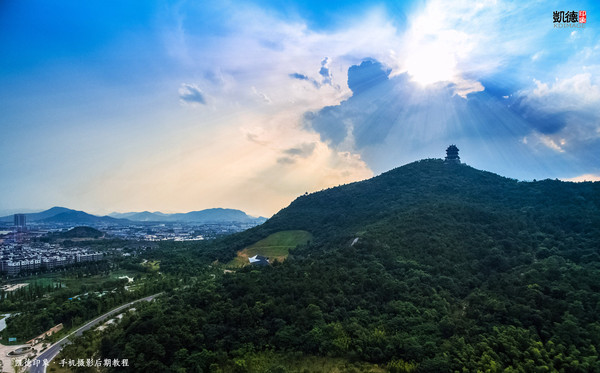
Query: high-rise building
(20, 221)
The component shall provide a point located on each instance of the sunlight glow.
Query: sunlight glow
(428, 65)
(433, 48)
(583, 178)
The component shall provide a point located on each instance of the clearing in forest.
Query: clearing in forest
(276, 246)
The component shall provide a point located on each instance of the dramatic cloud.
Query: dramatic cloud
(565, 114)
(388, 117)
(191, 94)
(572, 98)
(383, 108)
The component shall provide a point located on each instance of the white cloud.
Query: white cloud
(578, 92)
(573, 103)
(261, 95)
(552, 144)
(463, 87)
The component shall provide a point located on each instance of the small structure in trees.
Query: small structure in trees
(259, 260)
(452, 155)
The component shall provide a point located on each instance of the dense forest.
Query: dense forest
(430, 267)
(73, 296)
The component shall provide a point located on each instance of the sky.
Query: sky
(177, 106)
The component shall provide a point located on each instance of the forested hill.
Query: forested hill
(454, 269)
(435, 186)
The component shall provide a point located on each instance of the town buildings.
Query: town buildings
(15, 258)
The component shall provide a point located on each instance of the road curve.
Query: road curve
(51, 352)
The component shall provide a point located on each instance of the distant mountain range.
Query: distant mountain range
(69, 216)
(215, 215)
(66, 216)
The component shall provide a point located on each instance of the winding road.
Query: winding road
(52, 351)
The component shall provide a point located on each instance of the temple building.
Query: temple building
(452, 155)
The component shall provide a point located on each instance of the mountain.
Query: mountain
(36, 216)
(430, 267)
(140, 216)
(65, 215)
(80, 217)
(215, 215)
(431, 185)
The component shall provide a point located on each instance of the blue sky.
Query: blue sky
(184, 105)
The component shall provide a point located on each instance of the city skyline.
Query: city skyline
(183, 106)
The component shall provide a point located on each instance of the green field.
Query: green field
(275, 246)
(71, 282)
(44, 280)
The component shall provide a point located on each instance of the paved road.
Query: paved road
(53, 350)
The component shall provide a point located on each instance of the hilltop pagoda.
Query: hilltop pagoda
(452, 155)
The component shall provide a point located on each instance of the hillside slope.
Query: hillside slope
(454, 269)
(430, 182)
(80, 232)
